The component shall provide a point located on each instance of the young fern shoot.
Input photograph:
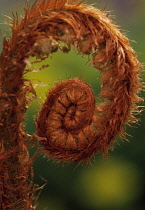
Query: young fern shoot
(69, 126)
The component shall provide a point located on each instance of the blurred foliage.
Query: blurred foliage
(116, 183)
(110, 184)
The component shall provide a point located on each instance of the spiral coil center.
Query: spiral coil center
(69, 109)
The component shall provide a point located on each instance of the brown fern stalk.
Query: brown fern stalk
(68, 126)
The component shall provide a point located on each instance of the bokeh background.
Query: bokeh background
(115, 183)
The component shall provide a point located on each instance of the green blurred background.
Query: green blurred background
(116, 183)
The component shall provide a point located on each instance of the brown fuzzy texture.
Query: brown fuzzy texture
(65, 119)
(92, 33)
(41, 32)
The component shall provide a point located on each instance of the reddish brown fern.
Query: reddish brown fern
(68, 126)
